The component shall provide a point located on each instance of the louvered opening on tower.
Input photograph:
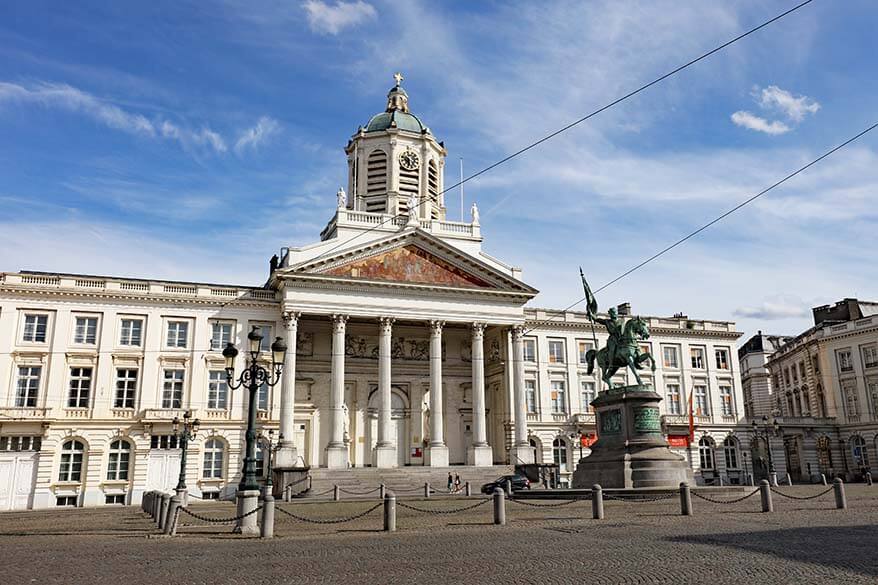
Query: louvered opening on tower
(433, 188)
(376, 182)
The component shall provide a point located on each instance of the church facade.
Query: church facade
(408, 346)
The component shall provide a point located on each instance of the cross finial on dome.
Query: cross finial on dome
(398, 77)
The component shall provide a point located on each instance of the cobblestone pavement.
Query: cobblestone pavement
(804, 541)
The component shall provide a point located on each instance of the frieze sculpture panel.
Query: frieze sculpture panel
(305, 343)
(611, 422)
(357, 346)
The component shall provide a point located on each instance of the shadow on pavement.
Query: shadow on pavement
(842, 547)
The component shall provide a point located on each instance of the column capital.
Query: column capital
(478, 329)
(518, 332)
(385, 324)
(290, 319)
(436, 327)
(338, 322)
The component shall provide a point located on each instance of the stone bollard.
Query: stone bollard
(509, 488)
(389, 512)
(144, 502)
(163, 511)
(685, 499)
(426, 489)
(789, 480)
(868, 478)
(499, 507)
(170, 524)
(336, 493)
(841, 501)
(382, 491)
(765, 493)
(266, 529)
(469, 489)
(597, 502)
(155, 502)
(823, 478)
(720, 481)
(287, 491)
(309, 482)
(773, 476)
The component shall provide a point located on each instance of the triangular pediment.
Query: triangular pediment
(411, 258)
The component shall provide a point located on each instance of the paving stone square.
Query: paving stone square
(803, 541)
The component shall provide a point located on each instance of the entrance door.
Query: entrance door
(402, 442)
(163, 469)
(794, 465)
(18, 476)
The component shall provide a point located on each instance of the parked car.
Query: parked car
(519, 482)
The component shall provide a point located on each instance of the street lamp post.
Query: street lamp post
(188, 431)
(746, 469)
(765, 434)
(253, 376)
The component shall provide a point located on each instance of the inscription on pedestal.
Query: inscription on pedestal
(611, 422)
(647, 420)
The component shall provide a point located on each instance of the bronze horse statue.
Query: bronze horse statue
(626, 352)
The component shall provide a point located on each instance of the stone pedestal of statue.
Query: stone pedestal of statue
(631, 451)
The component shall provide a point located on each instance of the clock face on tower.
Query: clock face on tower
(409, 160)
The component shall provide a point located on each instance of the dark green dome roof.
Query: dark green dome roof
(395, 119)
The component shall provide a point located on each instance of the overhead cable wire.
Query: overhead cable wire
(583, 119)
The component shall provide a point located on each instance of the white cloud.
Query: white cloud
(794, 108)
(189, 138)
(327, 19)
(253, 137)
(776, 308)
(751, 121)
(71, 99)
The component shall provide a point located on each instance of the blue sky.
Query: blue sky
(191, 140)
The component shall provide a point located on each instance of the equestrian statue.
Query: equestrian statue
(622, 349)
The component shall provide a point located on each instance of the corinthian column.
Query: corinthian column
(384, 454)
(479, 453)
(521, 451)
(336, 452)
(286, 454)
(437, 451)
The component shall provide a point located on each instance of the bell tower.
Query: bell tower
(395, 161)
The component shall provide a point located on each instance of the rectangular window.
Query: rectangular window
(28, 387)
(130, 332)
(163, 442)
(221, 334)
(65, 501)
(845, 362)
(178, 333)
(722, 359)
(701, 400)
(725, 395)
(172, 395)
(16, 443)
(530, 392)
(85, 331)
(217, 391)
(795, 374)
(674, 401)
(262, 396)
(870, 356)
(850, 394)
(80, 388)
(583, 349)
(645, 348)
(126, 388)
(802, 370)
(587, 390)
(267, 339)
(530, 350)
(559, 402)
(35, 327)
(697, 355)
(669, 357)
(115, 499)
(556, 351)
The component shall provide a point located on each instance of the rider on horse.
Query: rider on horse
(614, 327)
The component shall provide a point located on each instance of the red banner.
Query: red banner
(678, 440)
(587, 440)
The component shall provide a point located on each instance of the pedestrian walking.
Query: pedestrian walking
(450, 482)
(456, 483)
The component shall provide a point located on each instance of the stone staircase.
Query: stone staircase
(406, 481)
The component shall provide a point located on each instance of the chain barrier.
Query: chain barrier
(640, 500)
(330, 520)
(218, 520)
(555, 505)
(201, 497)
(298, 481)
(329, 491)
(441, 512)
(814, 497)
(408, 490)
(734, 501)
(356, 493)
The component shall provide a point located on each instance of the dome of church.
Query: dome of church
(397, 114)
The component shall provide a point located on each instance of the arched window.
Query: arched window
(730, 450)
(213, 459)
(538, 452)
(824, 454)
(860, 452)
(433, 187)
(71, 461)
(119, 461)
(705, 453)
(376, 182)
(559, 452)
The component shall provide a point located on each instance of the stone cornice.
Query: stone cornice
(542, 324)
(104, 295)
